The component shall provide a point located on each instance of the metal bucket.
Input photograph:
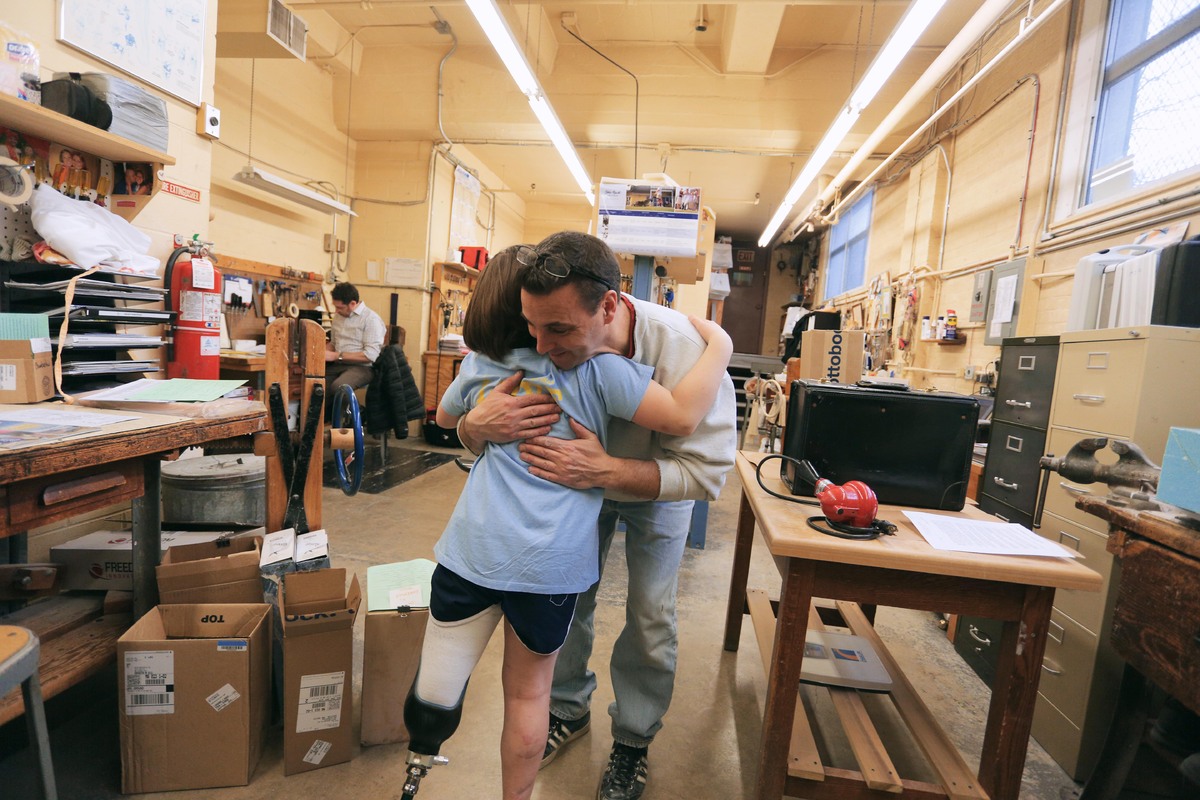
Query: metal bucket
(215, 490)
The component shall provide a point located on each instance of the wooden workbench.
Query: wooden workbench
(905, 571)
(60, 479)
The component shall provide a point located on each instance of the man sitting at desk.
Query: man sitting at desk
(358, 336)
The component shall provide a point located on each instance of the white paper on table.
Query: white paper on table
(978, 536)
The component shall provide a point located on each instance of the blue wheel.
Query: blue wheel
(349, 463)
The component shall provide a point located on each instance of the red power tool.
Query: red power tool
(849, 509)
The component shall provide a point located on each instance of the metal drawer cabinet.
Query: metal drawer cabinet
(1011, 473)
(1027, 368)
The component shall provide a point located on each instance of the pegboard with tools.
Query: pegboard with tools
(257, 293)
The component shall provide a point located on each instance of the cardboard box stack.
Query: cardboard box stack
(103, 560)
(26, 361)
(397, 611)
(194, 704)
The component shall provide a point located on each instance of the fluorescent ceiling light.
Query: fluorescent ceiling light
(910, 28)
(488, 15)
(261, 179)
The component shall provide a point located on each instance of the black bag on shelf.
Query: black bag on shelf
(70, 97)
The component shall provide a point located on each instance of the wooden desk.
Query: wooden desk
(40, 485)
(901, 570)
(1155, 628)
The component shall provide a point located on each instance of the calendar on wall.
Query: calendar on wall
(160, 42)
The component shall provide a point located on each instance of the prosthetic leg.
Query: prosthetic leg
(431, 725)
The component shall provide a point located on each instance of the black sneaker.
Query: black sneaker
(625, 777)
(563, 731)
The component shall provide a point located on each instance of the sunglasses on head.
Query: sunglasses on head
(555, 266)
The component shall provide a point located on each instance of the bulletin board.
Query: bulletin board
(158, 41)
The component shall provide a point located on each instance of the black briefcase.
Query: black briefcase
(911, 448)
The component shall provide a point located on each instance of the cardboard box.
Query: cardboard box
(1179, 483)
(211, 572)
(26, 371)
(194, 696)
(397, 612)
(318, 642)
(834, 356)
(391, 654)
(104, 559)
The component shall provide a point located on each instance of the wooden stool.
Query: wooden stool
(19, 651)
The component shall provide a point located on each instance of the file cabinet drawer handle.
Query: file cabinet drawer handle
(1003, 485)
(1089, 398)
(973, 632)
(1075, 490)
(1018, 404)
(1046, 666)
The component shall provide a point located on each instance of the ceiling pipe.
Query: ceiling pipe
(1027, 29)
(951, 54)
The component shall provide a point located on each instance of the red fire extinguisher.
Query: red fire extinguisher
(194, 292)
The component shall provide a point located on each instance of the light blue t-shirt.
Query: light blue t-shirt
(511, 531)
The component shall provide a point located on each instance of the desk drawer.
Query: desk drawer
(1156, 624)
(1011, 473)
(1086, 608)
(997, 507)
(977, 640)
(39, 501)
(1098, 386)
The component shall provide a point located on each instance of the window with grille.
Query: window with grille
(848, 248)
(1149, 113)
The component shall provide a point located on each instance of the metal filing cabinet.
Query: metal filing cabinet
(1008, 488)
(1123, 383)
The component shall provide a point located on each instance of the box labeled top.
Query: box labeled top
(195, 696)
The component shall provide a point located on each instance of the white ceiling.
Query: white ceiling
(734, 109)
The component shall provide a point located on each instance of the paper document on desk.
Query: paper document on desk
(978, 536)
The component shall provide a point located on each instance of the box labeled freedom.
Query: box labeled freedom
(318, 612)
(833, 356)
(103, 560)
(194, 683)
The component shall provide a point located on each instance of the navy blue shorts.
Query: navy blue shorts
(540, 621)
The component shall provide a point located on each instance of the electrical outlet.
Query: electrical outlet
(968, 373)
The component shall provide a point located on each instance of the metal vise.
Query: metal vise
(1133, 480)
(1133, 469)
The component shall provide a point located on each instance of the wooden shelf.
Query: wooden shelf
(32, 119)
(942, 342)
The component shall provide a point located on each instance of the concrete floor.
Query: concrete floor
(709, 741)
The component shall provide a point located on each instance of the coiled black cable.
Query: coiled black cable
(880, 527)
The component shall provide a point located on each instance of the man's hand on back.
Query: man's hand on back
(502, 417)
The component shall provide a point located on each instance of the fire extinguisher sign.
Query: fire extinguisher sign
(202, 307)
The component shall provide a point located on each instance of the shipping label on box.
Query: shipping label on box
(834, 356)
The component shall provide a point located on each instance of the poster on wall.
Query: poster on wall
(648, 219)
(159, 41)
(462, 213)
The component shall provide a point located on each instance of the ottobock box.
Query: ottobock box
(318, 641)
(397, 611)
(26, 371)
(220, 571)
(834, 356)
(104, 559)
(194, 683)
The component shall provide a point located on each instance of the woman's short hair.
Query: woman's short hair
(494, 325)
